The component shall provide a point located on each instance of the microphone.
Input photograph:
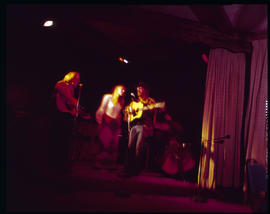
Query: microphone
(220, 139)
(225, 137)
(132, 95)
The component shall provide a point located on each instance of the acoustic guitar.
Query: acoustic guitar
(135, 109)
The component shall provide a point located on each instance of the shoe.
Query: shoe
(102, 156)
(111, 168)
(124, 175)
(98, 165)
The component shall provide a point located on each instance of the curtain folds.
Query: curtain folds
(255, 126)
(223, 110)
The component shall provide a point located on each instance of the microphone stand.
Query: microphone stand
(78, 101)
(75, 124)
(132, 100)
(77, 111)
(122, 192)
(198, 197)
(129, 123)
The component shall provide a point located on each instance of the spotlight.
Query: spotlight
(121, 59)
(48, 23)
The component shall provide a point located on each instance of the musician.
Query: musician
(109, 116)
(63, 115)
(173, 155)
(141, 130)
(162, 133)
(64, 93)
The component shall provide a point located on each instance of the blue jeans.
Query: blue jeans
(135, 141)
(136, 149)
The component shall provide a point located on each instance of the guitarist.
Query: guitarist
(142, 128)
(63, 114)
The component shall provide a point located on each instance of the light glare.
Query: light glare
(121, 59)
(110, 104)
(48, 23)
(204, 57)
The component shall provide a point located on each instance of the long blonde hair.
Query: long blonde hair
(115, 95)
(70, 75)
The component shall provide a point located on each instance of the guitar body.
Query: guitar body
(137, 108)
(171, 164)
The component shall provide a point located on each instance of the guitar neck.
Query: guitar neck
(157, 105)
(145, 108)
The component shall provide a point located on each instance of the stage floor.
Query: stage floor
(98, 190)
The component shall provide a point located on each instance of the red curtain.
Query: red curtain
(256, 139)
(223, 110)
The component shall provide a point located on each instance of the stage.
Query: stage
(98, 190)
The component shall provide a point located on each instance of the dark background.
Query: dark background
(37, 57)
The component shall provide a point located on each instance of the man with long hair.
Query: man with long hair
(109, 117)
(64, 93)
(64, 112)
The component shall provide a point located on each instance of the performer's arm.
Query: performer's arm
(102, 108)
(127, 111)
(62, 89)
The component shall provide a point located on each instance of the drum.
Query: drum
(187, 161)
(171, 162)
(178, 157)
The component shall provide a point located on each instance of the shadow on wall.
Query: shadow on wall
(27, 132)
(18, 96)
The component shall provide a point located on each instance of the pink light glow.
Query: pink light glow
(204, 57)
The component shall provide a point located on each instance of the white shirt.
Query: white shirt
(107, 107)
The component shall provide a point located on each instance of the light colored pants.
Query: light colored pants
(136, 138)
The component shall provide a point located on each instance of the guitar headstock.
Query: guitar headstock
(157, 105)
(160, 105)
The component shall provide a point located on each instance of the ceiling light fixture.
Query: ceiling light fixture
(121, 59)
